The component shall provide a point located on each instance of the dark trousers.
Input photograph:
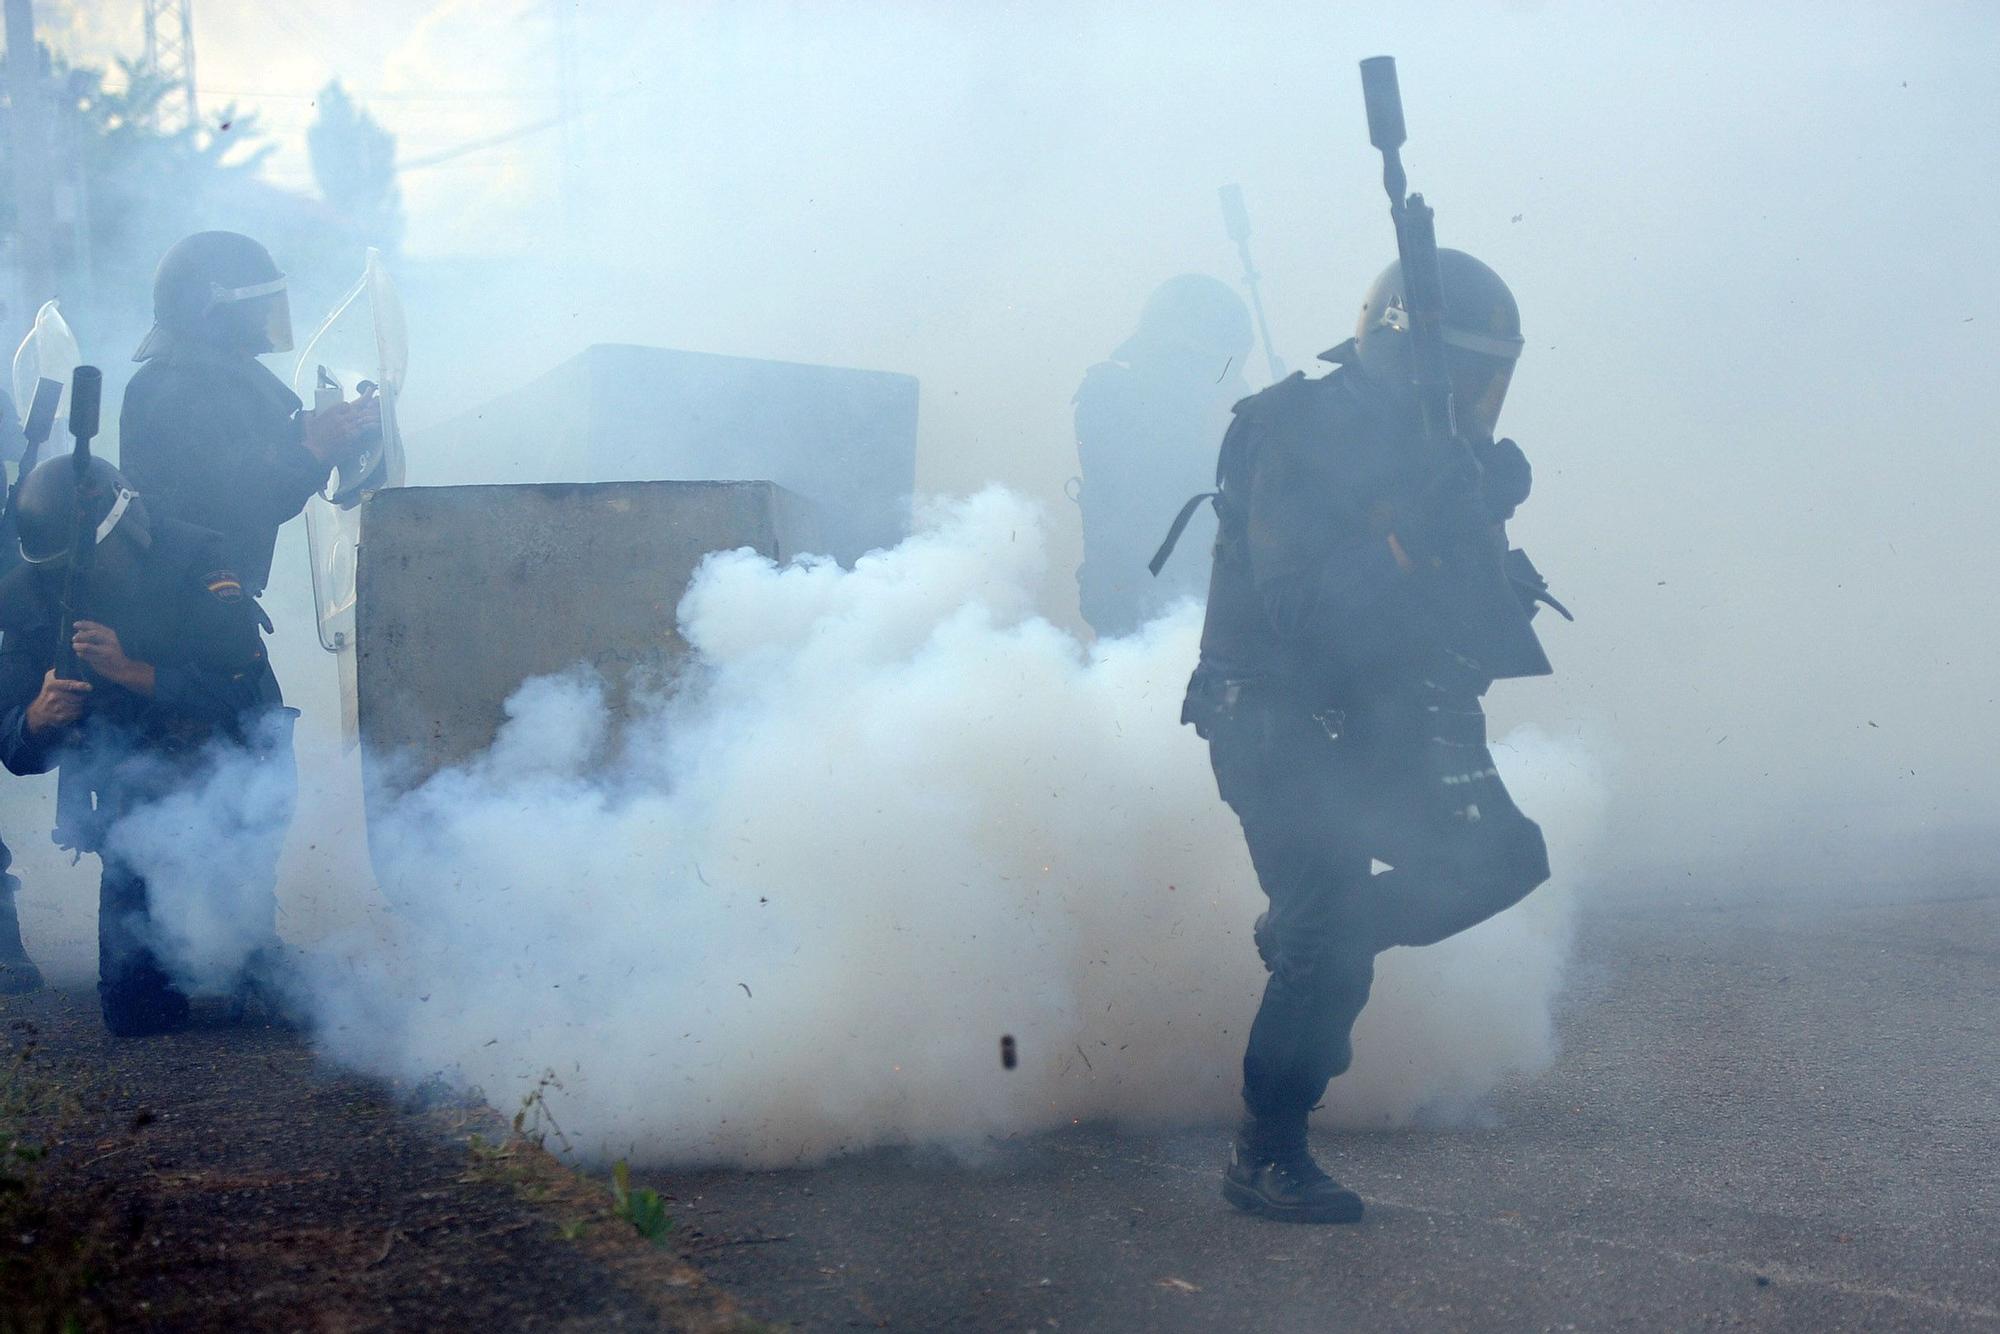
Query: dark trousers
(1410, 787)
(132, 987)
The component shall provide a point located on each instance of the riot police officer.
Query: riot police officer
(18, 973)
(1339, 691)
(1146, 424)
(206, 431)
(172, 666)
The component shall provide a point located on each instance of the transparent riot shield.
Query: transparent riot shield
(360, 349)
(49, 352)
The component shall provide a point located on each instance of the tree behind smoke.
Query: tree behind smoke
(354, 163)
(890, 816)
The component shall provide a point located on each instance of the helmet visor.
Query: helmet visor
(1478, 388)
(262, 311)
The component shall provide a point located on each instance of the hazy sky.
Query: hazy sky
(1752, 245)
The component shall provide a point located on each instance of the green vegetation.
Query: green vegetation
(48, 1263)
(642, 1208)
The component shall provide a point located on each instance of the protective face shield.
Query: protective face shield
(257, 318)
(1482, 337)
(220, 288)
(46, 509)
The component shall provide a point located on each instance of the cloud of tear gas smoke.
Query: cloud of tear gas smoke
(1754, 390)
(892, 816)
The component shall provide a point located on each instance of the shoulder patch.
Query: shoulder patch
(223, 585)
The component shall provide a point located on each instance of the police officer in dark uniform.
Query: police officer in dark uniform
(206, 431)
(18, 973)
(1339, 691)
(1146, 425)
(172, 664)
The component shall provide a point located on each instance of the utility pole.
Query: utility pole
(170, 56)
(569, 172)
(34, 175)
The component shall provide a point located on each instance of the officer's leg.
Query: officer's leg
(1459, 852)
(1279, 779)
(1321, 962)
(18, 973)
(266, 974)
(136, 995)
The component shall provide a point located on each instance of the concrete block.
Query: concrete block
(464, 592)
(845, 440)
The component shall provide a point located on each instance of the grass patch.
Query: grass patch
(49, 1259)
(642, 1208)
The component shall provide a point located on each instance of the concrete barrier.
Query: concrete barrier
(464, 592)
(845, 440)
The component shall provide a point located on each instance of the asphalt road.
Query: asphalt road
(1779, 1115)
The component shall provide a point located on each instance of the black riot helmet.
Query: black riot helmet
(1194, 321)
(45, 510)
(220, 288)
(1482, 336)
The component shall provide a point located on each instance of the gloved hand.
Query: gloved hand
(340, 432)
(1455, 507)
(1506, 477)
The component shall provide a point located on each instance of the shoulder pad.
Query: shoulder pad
(200, 556)
(188, 548)
(1105, 376)
(1286, 395)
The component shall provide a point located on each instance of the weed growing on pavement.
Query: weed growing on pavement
(642, 1208)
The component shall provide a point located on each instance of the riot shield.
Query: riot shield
(360, 348)
(49, 352)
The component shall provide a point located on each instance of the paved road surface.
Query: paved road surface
(1766, 1116)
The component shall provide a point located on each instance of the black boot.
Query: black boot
(18, 974)
(145, 1013)
(269, 980)
(1274, 1176)
(138, 998)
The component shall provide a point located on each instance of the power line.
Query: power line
(479, 145)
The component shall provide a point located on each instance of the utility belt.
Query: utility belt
(92, 793)
(1217, 699)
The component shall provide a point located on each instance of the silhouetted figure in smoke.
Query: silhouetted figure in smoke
(1146, 424)
(210, 435)
(172, 664)
(18, 973)
(1341, 699)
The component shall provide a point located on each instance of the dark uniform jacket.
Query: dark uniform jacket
(185, 612)
(1307, 591)
(213, 438)
(1144, 441)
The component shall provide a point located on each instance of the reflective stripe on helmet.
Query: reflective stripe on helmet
(1486, 345)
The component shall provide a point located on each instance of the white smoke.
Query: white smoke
(890, 816)
(209, 853)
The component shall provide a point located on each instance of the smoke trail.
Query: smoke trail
(891, 816)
